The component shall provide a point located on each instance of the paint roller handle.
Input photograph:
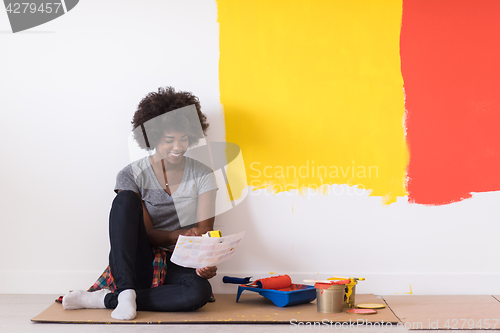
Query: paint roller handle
(236, 280)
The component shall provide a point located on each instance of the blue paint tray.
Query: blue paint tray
(299, 294)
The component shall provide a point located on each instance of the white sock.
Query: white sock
(80, 299)
(126, 308)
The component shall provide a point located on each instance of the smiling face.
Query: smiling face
(172, 147)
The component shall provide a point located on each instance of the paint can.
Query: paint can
(330, 297)
(350, 294)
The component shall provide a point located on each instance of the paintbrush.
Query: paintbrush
(345, 278)
(345, 281)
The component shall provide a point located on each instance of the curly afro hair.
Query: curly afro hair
(160, 103)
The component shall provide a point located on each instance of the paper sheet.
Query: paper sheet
(199, 252)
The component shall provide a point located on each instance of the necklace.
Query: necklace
(165, 172)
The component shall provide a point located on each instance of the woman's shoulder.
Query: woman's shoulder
(134, 168)
(136, 175)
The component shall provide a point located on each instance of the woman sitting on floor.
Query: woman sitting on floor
(144, 220)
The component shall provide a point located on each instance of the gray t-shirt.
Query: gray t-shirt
(168, 212)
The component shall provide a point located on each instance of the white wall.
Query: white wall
(69, 90)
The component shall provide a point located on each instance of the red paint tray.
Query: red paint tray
(295, 294)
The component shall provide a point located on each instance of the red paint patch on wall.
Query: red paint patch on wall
(450, 61)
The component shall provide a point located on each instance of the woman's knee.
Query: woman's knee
(200, 293)
(127, 201)
(128, 197)
(126, 208)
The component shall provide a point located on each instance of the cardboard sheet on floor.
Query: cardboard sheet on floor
(251, 309)
(446, 311)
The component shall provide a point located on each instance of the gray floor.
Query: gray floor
(16, 312)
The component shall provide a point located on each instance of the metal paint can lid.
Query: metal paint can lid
(370, 306)
(362, 311)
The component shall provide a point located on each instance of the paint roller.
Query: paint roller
(273, 282)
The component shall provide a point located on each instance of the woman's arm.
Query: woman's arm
(205, 212)
(162, 237)
(206, 215)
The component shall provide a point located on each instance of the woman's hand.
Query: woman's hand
(207, 272)
(192, 232)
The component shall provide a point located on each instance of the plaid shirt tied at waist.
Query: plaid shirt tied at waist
(159, 273)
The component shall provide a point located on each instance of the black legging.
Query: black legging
(131, 258)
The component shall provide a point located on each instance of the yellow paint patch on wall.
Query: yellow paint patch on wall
(313, 94)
